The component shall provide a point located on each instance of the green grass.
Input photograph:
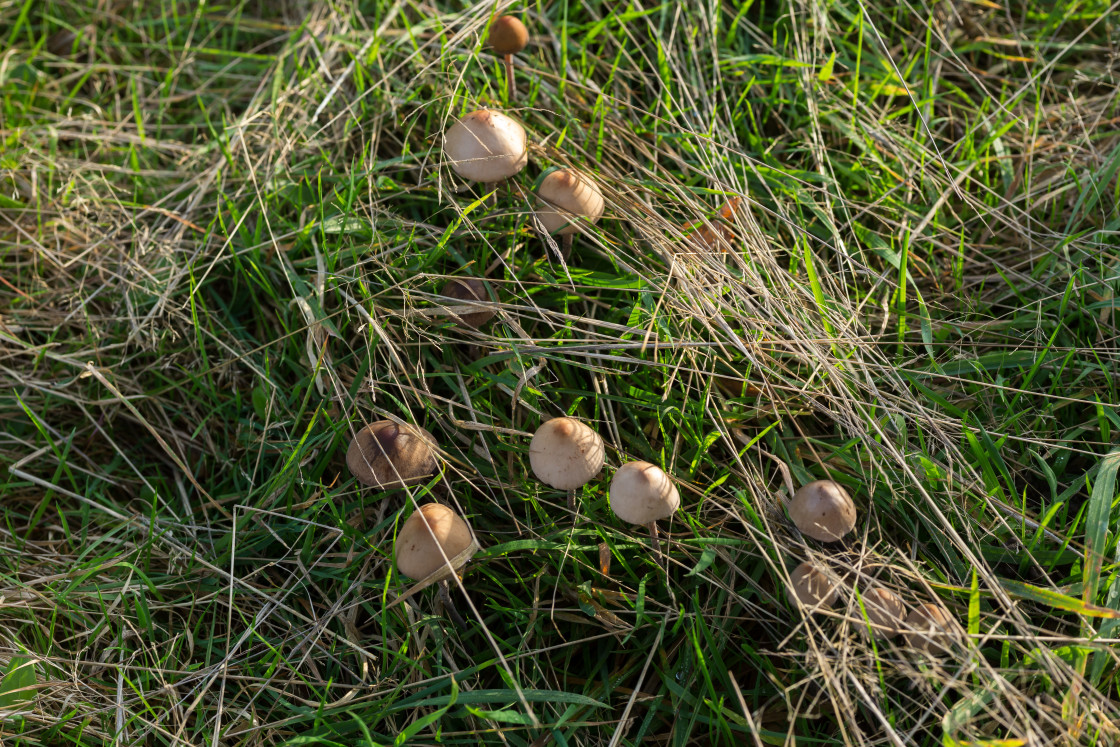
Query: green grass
(223, 229)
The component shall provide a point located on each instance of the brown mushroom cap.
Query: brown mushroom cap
(431, 528)
(566, 198)
(641, 493)
(508, 35)
(470, 290)
(387, 455)
(485, 146)
(885, 612)
(929, 628)
(566, 453)
(823, 510)
(812, 585)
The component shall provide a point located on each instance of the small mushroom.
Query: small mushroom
(508, 36)
(885, 612)
(388, 455)
(434, 543)
(712, 235)
(485, 146)
(70, 42)
(641, 493)
(566, 198)
(566, 454)
(472, 290)
(813, 586)
(823, 510)
(929, 628)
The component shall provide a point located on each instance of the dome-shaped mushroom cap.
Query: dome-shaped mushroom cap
(823, 510)
(929, 628)
(885, 612)
(641, 492)
(567, 198)
(566, 453)
(470, 290)
(485, 146)
(812, 585)
(508, 35)
(387, 455)
(431, 527)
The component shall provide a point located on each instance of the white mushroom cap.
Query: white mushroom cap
(566, 453)
(885, 612)
(568, 197)
(432, 528)
(823, 510)
(485, 146)
(812, 585)
(929, 628)
(387, 455)
(642, 493)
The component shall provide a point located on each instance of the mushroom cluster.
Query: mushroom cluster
(824, 511)
(492, 149)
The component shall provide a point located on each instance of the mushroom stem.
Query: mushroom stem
(566, 245)
(449, 605)
(572, 501)
(653, 541)
(511, 84)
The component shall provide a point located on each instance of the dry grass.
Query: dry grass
(223, 229)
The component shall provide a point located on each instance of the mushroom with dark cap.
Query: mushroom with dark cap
(434, 543)
(823, 510)
(929, 628)
(641, 493)
(507, 37)
(388, 455)
(476, 310)
(485, 146)
(885, 612)
(567, 197)
(566, 454)
(813, 586)
(713, 235)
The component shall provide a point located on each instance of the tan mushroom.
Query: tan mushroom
(566, 454)
(434, 543)
(823, 510)
(507, 37)
(434, 540)
(929, 628)
(567, 198)
(388, 455)
(486, 146)
(476, 293)
(641, 493)
(885, 612)
(813, 586)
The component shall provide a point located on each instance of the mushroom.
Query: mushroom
(434, 543)
(471, 290)
(812, 585)
(508, 36)
(823, 510)
(485, 146)
(641, 493)
(885, 612)
(711, 235)
(68, 42)
(388, 455)
(566, 454)
(929, 628)
(567, 197)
